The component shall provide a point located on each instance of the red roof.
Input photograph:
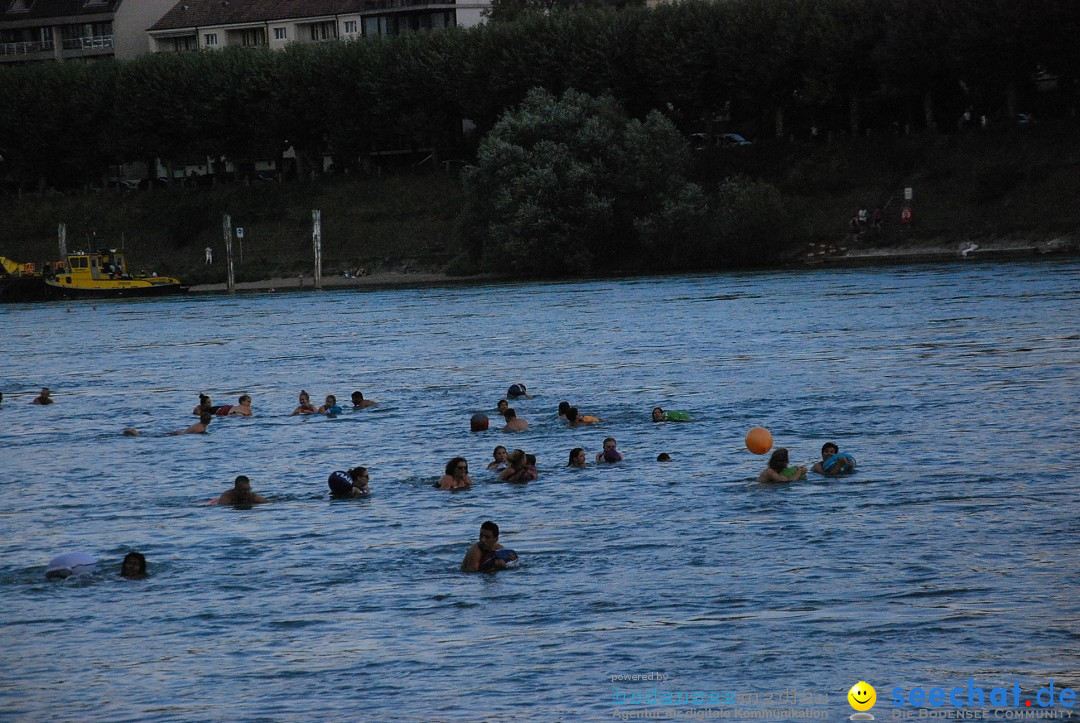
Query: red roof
(199, 13)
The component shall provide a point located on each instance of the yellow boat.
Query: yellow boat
(83, 276)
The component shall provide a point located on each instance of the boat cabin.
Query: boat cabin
(97, 267)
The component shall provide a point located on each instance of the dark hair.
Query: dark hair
(574, 453)
(489, 525)
(658, 409)
(563, 406)
(205, 417)
(517, 457)
(778, 462)
(571, 414)
(828, 445)
(303, 393)
(530, 459)
(663, 457)
(358, 394)
(497, 448)
(203, 399)
(453, 463)
(609, 439)
(357, 472)
(509, 414)
(240, 478)
(138, 557)
(501, 401)
(243, 397)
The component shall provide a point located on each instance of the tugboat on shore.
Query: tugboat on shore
(100, 275)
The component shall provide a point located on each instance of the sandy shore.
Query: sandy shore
(857, 253)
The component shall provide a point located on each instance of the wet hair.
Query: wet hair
(571, 414)
(563, 406)
(830, 445)
(454, 463)
(778, 462)
(496, 450)
(663, 457)
(509, 414)
(357, 472)
(137, 557)
(609, 439)
(358, 395)
(517, 458)
(243, 397)
(331, 396)
(239, 479)
(530, 460)
(303, 393)
(502, 401)
(489, 525)
(205, 417)
(204, 400)
(574, 453)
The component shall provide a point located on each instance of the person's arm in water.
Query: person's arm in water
(471, 563)
(771, 475)
(818, 468)
(256, 498)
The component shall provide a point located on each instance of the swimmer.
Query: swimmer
(841, 465)
(131, 432)
(330, 408)
(657, 414)
(44, 398)
(353, 483)
(457, 475)
(530, 463)
(197, 428)
(663, 457)
(519, 470)
(487, 555)
(240, 494)
(572, 417)
(1, 399)
(779, 471)
(242, 409)
(610, 454)
(134, 566)
(502, 405)
(517, 390)
(478, 422)
(577, 457)
(563, 408)
(499, 462)
(513, 422)
(205, 405)
(306, 407)
(358, 401)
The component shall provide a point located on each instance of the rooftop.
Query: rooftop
(198, 13)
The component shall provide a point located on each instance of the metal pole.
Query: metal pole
(226, 228)
(61, 233)
(316, 238)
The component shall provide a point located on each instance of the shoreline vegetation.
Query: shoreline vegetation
(565, 144)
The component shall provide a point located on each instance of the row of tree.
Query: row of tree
(837, 63)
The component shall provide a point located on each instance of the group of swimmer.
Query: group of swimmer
(833, 463)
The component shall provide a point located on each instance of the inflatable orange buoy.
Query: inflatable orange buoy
(759, 440)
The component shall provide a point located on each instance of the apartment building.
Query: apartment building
(209, 24)
(34, 31)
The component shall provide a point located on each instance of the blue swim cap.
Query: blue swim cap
(340, 483)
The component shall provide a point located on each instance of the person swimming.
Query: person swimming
(478, 422)
(519, 469)
(457, 475)
(241, 409)
(514, 423)
(358, 401)
(833, 463)
(43, 399)
(353, 483)
(486, 554)
(499, 459)
(564, 407)
(778, 469)
(306, 407)
(517, 390)
(197, 428)
(134, 566)
(330, 408)
(610, 453)
(577, 457)
(205, 405)
(240, 494)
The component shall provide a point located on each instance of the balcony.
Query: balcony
(26, 48)
(95, 42)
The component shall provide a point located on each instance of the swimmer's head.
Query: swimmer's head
(489, 535)
(502, 405)
(499, 453)
(478, 422)
(657, 414)
(515, 390)
(663, 457)
(357, 397)
(245, 398)
(331, 400)
(530, 460)
(205, 418)
(828, 450)
(457, 464)
(509, 414)
(577, 457)
(131, 432)
(517, 458)
(563, 406)
(242, 484)
(304, 396)
(359, 476)
(778, 462)
(134, 565)
(610, 443)
(572, 414)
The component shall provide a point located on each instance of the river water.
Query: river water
(951, 553)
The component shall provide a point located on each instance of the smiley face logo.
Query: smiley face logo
(862, 696)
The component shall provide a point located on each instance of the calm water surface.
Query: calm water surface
(950, 554)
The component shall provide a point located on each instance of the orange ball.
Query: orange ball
(759, 440)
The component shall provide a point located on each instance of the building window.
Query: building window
(281, 33)
(350, 26)
(323, 31)
(250, 38)
(210, 39)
